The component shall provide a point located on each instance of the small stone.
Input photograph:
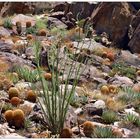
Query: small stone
(12, 136)
(27, 107)
(99, 104)
(78, 111)
(132, 111)
(95, 111)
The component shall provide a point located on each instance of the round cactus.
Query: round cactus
(104, 54)
(110, 56)
(138, 73)
(42, 32)
(18, 118)
(18, 24)
(9, 116)
(28, 24)
(15, 101)
(104, 90)
(88, 128)
(29, 37)
(110, 103)
(13, 92)
(48, 76)
(113, 89)
(66, 133)
(31, 96)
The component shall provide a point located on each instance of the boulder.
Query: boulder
(114, 19)
(13, 60)
(4, 32)
(83, 11)
(128, 58)
(134, 24)
(5, 47)
(121, 81)
(10, 8)
(134, 44)
(56, 23)
(23, 19)
(57, 15)
(134, 31)
(59, 6)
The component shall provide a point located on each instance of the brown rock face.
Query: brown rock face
(114, 19)
(9, 8)
(134, 43)
(82, 9)
(134, 34)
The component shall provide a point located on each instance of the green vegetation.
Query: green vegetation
(97, 38)
(103, 132)
(31, 30)
(56, 101)
(27, 74)
(131, 118)
(40, 25)
(7, 23)
(128, 96)
(124, 70)
(109, 117)
(6, 106)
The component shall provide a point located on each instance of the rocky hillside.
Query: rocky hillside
(69, 72)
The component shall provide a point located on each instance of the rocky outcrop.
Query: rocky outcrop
(84, 9)
(10, 8)
(23, 19)
(56, 23)
(134, 34)
(134, 43)
(114, 19)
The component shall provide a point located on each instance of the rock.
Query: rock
(131, 111)
(5, 47)
(69, 88)
(99, 104)
(134, 23)
(56, 23)
(22, 86)
(57, 15)
(4, 32)
(134, 42)
(27, 107)
(5, 130)
(127, 132)
(88, 44)
(121, 81)
(91, 110)
(117, 132)
(84, 8)
(78, 111)
(12, 136)
(13, 60)
(71, 118)
(136, 87)
(116, 124)
(10, 8)
(59, 6)
(114, 19)
(29, 52)
(128, 58)
(23, 19)
(44, 134)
